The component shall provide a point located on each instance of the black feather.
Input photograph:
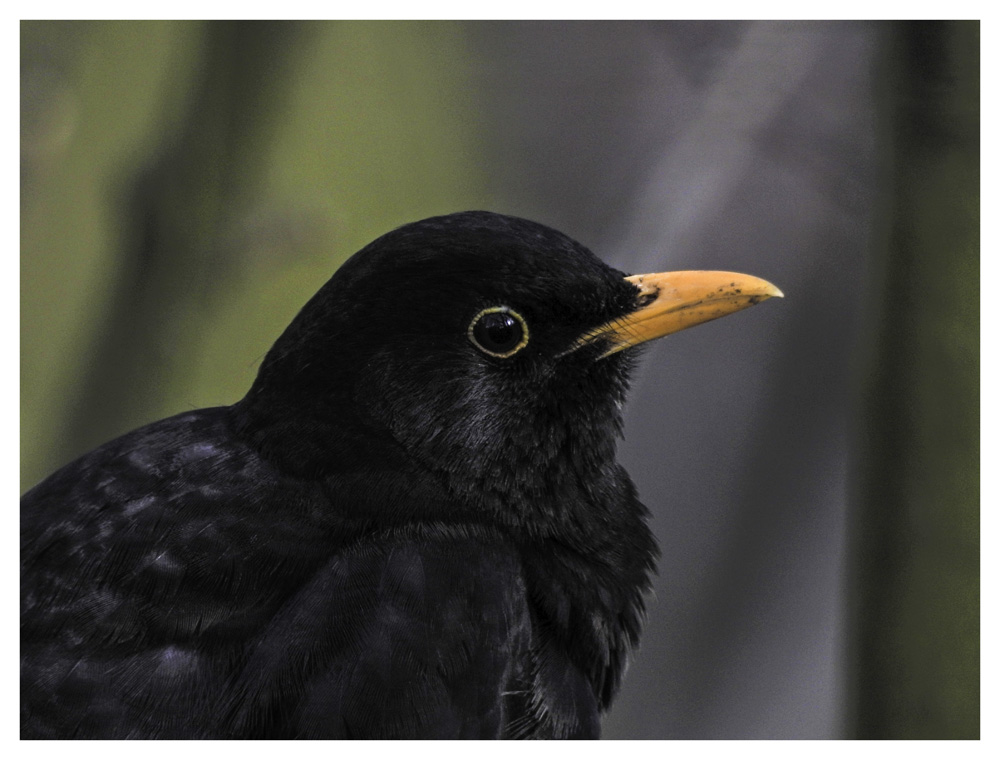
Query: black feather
(394, 534)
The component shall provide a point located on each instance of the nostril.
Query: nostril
(646, 297)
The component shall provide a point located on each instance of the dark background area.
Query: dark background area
(812, 465)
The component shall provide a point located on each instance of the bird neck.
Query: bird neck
(587, 585)
(570, 509)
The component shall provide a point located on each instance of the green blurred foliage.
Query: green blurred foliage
(916, 580)
(84, 116)
(370, 125)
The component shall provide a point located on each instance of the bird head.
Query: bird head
(493, 351)
(471, 369)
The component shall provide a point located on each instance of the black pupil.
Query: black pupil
(498, 332)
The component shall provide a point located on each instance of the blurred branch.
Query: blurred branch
(48, 106)
(172, 259)
(916, 574)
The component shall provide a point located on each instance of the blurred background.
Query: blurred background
(812, 465)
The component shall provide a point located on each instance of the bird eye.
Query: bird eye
(499, 331)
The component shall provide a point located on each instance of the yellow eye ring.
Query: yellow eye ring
(498, 331)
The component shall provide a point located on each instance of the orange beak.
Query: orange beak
(674, 301)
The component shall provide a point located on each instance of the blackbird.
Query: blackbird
(412, 526)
